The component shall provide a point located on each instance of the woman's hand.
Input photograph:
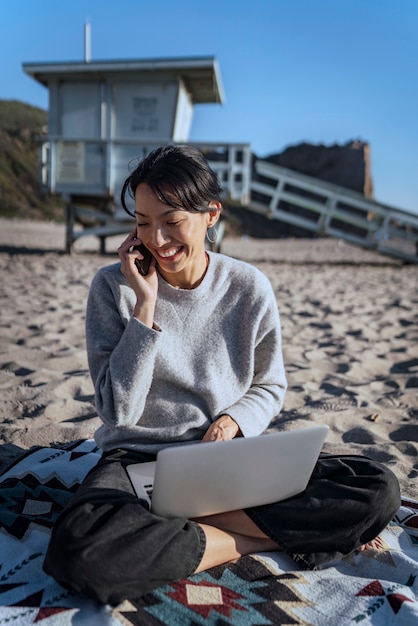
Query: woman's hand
(145, 287)
(223, 429)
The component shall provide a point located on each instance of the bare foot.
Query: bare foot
(375, 544)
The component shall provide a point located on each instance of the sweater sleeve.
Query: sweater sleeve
(264, 398)
(121, 354)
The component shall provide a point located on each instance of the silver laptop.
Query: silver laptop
(207, 478)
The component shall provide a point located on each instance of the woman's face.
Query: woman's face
(175, 238)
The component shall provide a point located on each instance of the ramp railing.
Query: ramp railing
(327, 209)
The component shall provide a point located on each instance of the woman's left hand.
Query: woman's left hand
(223, 429)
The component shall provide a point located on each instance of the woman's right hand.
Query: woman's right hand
(145, 287)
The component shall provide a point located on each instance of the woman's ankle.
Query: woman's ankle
(225, 546)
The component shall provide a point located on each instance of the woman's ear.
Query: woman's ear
(214, 214)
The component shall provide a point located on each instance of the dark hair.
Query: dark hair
(179, 176)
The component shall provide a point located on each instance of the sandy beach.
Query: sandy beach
(350, 341)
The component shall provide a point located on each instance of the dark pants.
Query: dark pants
(108, 545)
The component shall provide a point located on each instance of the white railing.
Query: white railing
(328, 209)
(98, 168)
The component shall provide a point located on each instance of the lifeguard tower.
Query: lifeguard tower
(104, 114)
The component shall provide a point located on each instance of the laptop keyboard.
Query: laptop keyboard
(149, 489)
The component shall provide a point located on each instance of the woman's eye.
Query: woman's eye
(175, 223)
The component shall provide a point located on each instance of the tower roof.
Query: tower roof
(200, 75)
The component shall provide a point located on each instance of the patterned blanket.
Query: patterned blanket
(378, 586)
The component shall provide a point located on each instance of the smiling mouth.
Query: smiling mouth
(169, 254)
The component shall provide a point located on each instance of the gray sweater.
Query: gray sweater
(216, 350)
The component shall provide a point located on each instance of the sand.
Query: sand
(350, 342)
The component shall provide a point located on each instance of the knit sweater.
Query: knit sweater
(213, 350)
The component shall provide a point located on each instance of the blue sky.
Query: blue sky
(321, 71)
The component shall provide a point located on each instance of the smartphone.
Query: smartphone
(143, 265)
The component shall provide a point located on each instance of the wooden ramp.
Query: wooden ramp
(330, 210)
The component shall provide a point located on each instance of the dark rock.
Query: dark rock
(347, 165)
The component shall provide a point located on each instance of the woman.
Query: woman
(192, 351)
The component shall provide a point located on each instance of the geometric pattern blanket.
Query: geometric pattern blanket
(376, 586)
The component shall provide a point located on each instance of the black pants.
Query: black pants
(108, 545)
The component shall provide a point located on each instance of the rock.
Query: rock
(345, 165)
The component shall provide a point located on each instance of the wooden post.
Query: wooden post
(69, 229)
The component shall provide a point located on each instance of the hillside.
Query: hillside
(20, 196)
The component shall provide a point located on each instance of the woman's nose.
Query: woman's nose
(159, 237)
